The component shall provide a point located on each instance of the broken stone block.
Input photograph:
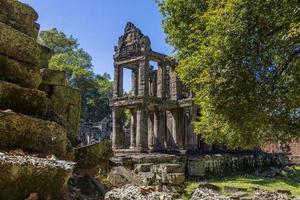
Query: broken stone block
(19, 73)
(22, 175)
(175, 178)
(53, 77)
(18, 46)
(22, 100)
(32, 134)
(169, 168)
(120, 176)
(144, 167)
(65, 101)
(93, 155)
(20, 16)
(45, 56)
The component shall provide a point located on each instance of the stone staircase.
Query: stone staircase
(165, 170)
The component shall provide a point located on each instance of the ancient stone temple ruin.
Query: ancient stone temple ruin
(160, 105)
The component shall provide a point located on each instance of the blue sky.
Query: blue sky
(98, 23)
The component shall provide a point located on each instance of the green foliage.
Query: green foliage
(68, 56)
(241, 60)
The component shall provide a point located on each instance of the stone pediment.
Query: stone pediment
(132, 43)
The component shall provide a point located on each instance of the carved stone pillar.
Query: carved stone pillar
(117, 134)
(150, 131)
(161, 128)
(161, 80)
(174, 84)
(132, 129)
(134, 82)
(141, 129)
(143, 81)
(118, 81)
(177, 129)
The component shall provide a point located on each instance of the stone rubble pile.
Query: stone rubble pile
(207, 194)
(39, 112)
(267, 195)
(132, 192)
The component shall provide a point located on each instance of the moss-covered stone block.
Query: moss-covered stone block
(54, 77)
(17, 45)
(22, 175)
(66, 101)
(32, 134)
(19, 16)
(23, 100)
(19, 73)
(45, 56)
(90, 156)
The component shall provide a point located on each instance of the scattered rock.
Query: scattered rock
(282, 191)
(120, 176)
(207, 194)
(132, 192)
(267, 195)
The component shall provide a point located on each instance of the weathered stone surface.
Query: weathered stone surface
(144, 167)
(19, 73)
(226, 164)
(66, 101)
(45, 56)
(22, 175)
(54, 77)
(32, 134)
(207, 194)
(130, 192)
(120, 176)
(19, 16)
(169, 168)
(22, 100)
(174, 178)
(18, 46)
(93, 155)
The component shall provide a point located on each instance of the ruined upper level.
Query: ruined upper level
(134, 52)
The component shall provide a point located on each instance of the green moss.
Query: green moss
(31, 134)
(93, 155)
(22, 100)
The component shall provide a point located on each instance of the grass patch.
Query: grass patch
(287, 182)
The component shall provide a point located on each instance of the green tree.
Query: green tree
(68, 56)
(241, 58)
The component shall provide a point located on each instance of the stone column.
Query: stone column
(117, 142)
(174, 83)
(141, 129)
(150, 131)
(156, 133)
(134, 82)
(118, 81)
(132, 129)
(143, 77)
(177, 131)
(120, 86)
(161, 128)
(161, 80)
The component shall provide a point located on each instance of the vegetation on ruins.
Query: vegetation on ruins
(241, 60)
(68, 56)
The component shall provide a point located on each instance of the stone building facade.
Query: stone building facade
(160, 105)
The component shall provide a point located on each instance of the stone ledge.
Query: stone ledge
(18, 46)
(19, 73)
(22, 100)
(32, 134)
(22, 175)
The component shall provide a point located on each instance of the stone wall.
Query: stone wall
(39, 112)
(204, 166)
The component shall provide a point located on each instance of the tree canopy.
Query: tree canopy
(241, 59)
(68, 56)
